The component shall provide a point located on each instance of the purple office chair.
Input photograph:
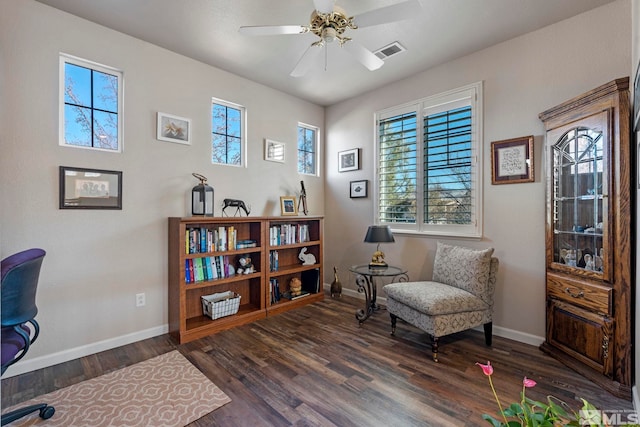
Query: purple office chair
(20, 274)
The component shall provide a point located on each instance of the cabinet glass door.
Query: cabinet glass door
(579, 196)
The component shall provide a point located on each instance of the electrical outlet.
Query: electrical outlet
(140, 300)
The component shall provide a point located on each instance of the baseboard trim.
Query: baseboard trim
(28, 365)
(499, 331)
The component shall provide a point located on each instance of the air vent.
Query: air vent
(389, 50)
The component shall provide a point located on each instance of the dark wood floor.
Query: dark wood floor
(315, 367)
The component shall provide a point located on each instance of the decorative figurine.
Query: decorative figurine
(303, 200)
(336, 286)
(235, 203)
(245, 266)
(295, 287)
(307, 259)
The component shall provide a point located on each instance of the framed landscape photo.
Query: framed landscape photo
(288, 205)
(82, 188)
(358, 189)
(348, 160)
(274, 151)
(512, 161)
(173, 129)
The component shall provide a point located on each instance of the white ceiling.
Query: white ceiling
(207, 30)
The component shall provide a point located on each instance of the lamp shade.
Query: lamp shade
(379, 234)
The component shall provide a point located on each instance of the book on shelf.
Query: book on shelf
(287, 295)
(310, 280)
(248, 243)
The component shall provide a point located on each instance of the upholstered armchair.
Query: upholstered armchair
(458, 297)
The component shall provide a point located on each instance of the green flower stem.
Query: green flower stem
(495, 395)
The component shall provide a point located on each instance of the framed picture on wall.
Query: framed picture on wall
(274, 151)
(173, 129)
(358, 189)
(348, 160)
(512, 161)
(82, 188)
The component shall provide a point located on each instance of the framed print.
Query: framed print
(512, 161)
(274, 151)
(348, 160)
(173, 129)
(90, 188)
(358, 189)
(288, 205)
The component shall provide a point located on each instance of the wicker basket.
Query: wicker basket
(220, 304)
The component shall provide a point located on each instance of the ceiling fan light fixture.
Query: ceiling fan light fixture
(329, 34)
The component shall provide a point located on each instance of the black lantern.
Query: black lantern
(202, 197)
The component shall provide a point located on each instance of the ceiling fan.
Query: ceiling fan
(329, 22)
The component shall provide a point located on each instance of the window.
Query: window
(429, 176)
(91, 98)
(307, 149)
(227, 133)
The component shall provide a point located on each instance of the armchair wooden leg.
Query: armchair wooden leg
(434, 348)
(488, 327)
(394, 319)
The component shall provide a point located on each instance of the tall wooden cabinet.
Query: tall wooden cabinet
(219, 242)
(589, 230)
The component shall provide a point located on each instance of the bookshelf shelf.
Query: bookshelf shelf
(196, 243)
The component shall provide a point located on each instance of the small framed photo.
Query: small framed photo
(512, 161)
(274, 151)
(349, 160)
(90, 188)
(358, 189)
(173, 129)
(288, 205)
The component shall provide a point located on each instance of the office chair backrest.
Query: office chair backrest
(20, 274)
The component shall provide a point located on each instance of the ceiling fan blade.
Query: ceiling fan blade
(272, 30)
(364, 55)
(307, 60)
(395, 12)
(323, 6)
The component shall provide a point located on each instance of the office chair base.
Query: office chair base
(46, 412)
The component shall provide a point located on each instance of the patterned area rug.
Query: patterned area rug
(164, 391)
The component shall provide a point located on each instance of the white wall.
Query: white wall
(522, 77)
(98, 260)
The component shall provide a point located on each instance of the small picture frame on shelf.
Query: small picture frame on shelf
(173, 129)
(288, 205)
(512, 161)
(274, 151)
(358, 189)
(82, 188)
(349, 160)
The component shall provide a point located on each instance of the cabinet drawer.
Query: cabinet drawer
(591, 296)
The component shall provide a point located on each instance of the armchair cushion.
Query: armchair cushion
(464, 268)
(433, 298)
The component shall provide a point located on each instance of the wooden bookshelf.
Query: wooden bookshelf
(188, 247)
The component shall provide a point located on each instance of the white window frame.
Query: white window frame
(64, 59)
(316, 143)
(466, 95)
(243, 131)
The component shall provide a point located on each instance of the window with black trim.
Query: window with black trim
(91, 98)
(429, 175)
(227, 133)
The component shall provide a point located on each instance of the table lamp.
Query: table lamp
(378, 234)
